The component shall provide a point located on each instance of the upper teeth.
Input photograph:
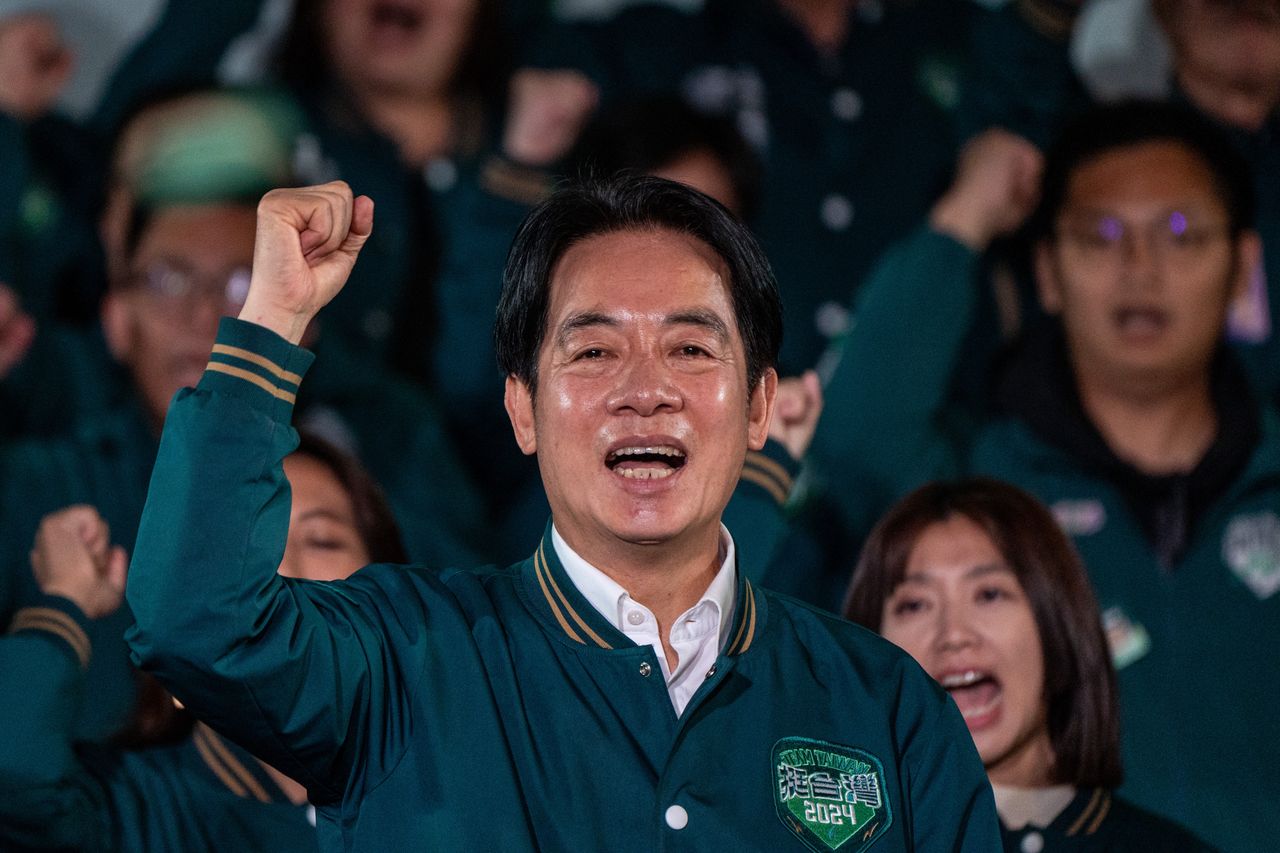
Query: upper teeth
(661, 450)
(962, 679)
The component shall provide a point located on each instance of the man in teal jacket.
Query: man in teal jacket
(623, 688)
(1128, 417)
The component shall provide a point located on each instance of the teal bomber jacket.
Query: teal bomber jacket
(495, 709)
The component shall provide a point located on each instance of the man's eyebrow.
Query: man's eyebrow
(583, 320)
(700, 317)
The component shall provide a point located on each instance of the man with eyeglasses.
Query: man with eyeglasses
(1124, 412)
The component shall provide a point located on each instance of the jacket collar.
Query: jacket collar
(567, 613)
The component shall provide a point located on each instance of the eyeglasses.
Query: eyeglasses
(175, 287)
(1169, 237)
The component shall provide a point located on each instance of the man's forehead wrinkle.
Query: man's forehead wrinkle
(582, 320)
(700, 317)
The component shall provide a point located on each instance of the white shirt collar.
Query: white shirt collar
(609, 598)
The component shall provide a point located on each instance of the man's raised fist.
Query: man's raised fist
(307, 242)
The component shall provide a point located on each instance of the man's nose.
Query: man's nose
(646, 387)
(1141, 256)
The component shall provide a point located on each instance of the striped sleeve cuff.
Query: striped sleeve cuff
(772, 469)
(59, 618)
(257, 365)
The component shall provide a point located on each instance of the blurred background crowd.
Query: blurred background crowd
(1032, 241)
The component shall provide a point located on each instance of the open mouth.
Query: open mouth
(391, 17)
(1141, 322)
(976, 693)
(646, 462)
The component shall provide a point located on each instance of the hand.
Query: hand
(73, 557)
(307, 243)
(795, 416)
(545, 114)
(996, 187)
(34, 65)
(17, 331)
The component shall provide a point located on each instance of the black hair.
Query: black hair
(630, 203)
(646, 134)
(375, 522)
(1122, 125)
(1080, 681)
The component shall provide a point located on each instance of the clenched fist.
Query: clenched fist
(35, 64)
(996, 187)
(306, 245)
(73, 557)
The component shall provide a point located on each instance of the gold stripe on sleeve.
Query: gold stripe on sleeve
(54, 622)
(202, 745)
(569, 607)
(262, 361)
(247, 376)
(765, 482)
(237, 769)
(768, 465)
(555, 608)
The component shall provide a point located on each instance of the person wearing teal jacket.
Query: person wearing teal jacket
(1128, 418)
(663, 701)
(978, 582)
(194, 791)
(847, 104)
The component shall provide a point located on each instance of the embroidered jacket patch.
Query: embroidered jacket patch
(832, 797)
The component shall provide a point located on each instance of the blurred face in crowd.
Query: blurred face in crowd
(1142, 267)
(1228, 56)
(961, 612)
(324, 542)
(703, 171)
(189, 269)
(401, 47)
(642, 416)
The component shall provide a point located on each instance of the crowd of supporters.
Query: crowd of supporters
(1027, 424)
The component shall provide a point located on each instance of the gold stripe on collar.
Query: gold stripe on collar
(1102, 813)
(764, 481)
(555, 608)
(748, 615)
(233, 764)
(567, 606)
(248, 376)
(262, 361)
(201, 739)
(1084, 815)
(751, 629)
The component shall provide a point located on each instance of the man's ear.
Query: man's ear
(760, 409)
(519, 403)
(117, 325)
(1048, 286)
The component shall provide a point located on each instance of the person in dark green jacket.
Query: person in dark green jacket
(198, 792)
(976, 580)
(624, 687)
(1127, 416)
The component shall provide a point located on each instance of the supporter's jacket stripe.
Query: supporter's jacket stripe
(242, 773)
(540, 560)
(1100, 804)
(769, 475)
(54, 622)
(201, 739)
(261, 361)
(247, 376)
(765, 482)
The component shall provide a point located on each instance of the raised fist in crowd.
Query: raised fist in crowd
(997, 186)
(73, 557)
(17, 331)
(307, 242)
(35, 64)
(795, 417)
(547, 111)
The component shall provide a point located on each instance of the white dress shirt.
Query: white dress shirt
(697, 636)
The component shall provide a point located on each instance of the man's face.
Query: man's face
(405, 47)
(191, 267)
(1228, 56)
(642, 416)
(1142, 267)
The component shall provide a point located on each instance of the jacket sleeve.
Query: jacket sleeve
(302, 674)
(882, 431)
(951, 803)
(756, 514)
(46, 800)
